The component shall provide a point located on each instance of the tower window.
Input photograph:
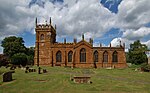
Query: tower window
(42, 37)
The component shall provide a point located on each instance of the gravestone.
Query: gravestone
(27, 68)
(39, 70)
(26, 71)
(7, 76)
(44, 71)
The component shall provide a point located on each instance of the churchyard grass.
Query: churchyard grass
(57, 80)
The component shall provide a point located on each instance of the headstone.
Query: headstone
(39, 70)
(8, 76)
(44, 71)
(26, 71)
(27, 68)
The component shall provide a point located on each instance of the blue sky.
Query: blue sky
(106, 21)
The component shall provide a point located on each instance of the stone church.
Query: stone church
(80, 54)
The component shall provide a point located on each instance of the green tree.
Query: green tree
(136, 54)
(30, 57)
(13, 45)
(19, 59)
(14, 48)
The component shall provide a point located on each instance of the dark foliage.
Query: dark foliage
(14, 48)
(19, 59)
(136, 54)
(13, 45)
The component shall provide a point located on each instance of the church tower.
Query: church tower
(45, 38)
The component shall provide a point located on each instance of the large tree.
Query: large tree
(13, 45)
(136, 54)
(17, 53)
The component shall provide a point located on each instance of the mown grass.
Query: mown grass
(57, 80)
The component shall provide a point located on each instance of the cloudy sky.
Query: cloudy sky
(107, 21)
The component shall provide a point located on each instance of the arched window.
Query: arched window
(58, 56)
(82, 55)
(105, 57)
(42, 37)
(95, 56)
(70, 56)
(115, 57)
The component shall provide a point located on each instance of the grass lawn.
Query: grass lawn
(57, 80)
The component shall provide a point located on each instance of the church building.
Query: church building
(80, 54)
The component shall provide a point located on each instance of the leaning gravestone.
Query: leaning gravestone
(7, 76)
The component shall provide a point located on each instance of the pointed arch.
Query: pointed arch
(70, 53)
(58, 56)
(83, 55)
(96, 56)
(115, 57)
(105, 57)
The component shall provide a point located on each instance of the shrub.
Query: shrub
(19, 59)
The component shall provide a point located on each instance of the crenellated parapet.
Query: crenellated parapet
(45, 27)
(63, 43)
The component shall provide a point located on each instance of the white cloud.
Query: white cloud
(132, 34)
(131, 18)
(133, 14)
(115, 42)
(147, 43)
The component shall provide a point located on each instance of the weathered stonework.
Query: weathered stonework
(46, 49)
